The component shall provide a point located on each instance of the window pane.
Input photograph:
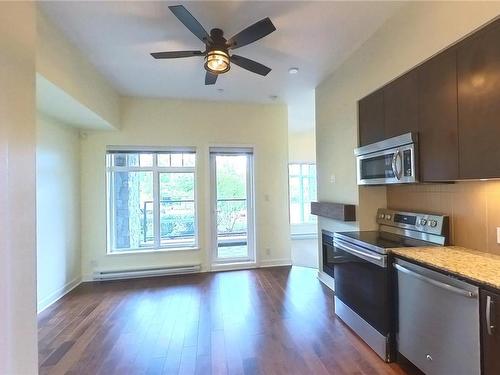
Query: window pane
(295, 195)
(231, 177)
(146, 160)
(132, 210)
(130, 160)
(164, 160)
(188, 160)
(312, 171)
(305, 169)
(294, 169)
(176, 186)
(231, 218)
(295, 200)
(302, 185)
(308, 218)
(176, 160)
(177, 224)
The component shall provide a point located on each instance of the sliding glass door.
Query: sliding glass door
(232, 205)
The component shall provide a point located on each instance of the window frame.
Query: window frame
(156, 171)
(301, 178)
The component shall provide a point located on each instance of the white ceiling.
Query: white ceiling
(117, 38)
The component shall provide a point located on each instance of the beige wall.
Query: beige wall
(473, 207)
(413, 34)
(201, 124)
(18, 331)
(302, 147)
(63, 64)
(58, 209)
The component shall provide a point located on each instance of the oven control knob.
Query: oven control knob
(423, 221)
(388, 217)
(433, 223)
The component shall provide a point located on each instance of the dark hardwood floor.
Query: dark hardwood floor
(265, 321)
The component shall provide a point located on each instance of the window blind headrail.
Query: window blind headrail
(231, 150)
(149, 149)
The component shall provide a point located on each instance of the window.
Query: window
(302, 187)
(151, 200)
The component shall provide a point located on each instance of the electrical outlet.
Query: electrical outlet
(268, 251)
(333, 179)
(498, 235)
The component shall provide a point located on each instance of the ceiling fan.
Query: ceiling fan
(217, 57)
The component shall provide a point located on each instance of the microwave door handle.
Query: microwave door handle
(397, 173)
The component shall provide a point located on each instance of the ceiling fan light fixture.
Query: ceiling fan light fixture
(217, 61)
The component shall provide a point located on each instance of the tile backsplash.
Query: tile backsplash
(473, 207)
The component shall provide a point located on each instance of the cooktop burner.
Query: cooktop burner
(400, 229)
(382, 240)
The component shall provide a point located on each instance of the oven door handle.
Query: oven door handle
(378, 260)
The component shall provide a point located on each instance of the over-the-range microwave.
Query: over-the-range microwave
(391, 161)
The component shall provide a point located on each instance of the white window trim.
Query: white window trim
(156, 170)
(251, 227)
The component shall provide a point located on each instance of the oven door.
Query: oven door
(391, 166)
(328, 253)
(362, 282)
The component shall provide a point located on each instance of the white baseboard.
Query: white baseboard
(326, 279)
(58, 294)
(275, 262)
(232, 266)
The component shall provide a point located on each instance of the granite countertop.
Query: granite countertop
(477, 266)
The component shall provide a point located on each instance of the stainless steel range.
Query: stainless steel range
(363, 281)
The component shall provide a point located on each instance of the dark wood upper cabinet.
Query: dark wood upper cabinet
(478, 73)
(371, 118)
(437, 118)
(453, 102)
(401, 105)
(490, 337)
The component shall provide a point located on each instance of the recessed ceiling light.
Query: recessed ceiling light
(293, 70)
(273, 97)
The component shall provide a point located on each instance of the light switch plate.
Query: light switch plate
(498, 235)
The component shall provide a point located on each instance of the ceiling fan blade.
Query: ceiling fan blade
(190, 22)
(210, 78)
(176, 54)
(252, 33)
(250, 65)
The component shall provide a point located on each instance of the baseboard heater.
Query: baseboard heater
(145, 272)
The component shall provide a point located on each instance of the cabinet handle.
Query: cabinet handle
(490, 328)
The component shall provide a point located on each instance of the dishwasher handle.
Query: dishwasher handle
(490, 328)
(439, 284)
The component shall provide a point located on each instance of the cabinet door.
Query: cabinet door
(371, 118)
(401, 106)
(478, 72)
(491, 337)
(437, 121)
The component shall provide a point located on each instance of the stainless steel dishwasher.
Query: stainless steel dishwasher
(438, 321)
